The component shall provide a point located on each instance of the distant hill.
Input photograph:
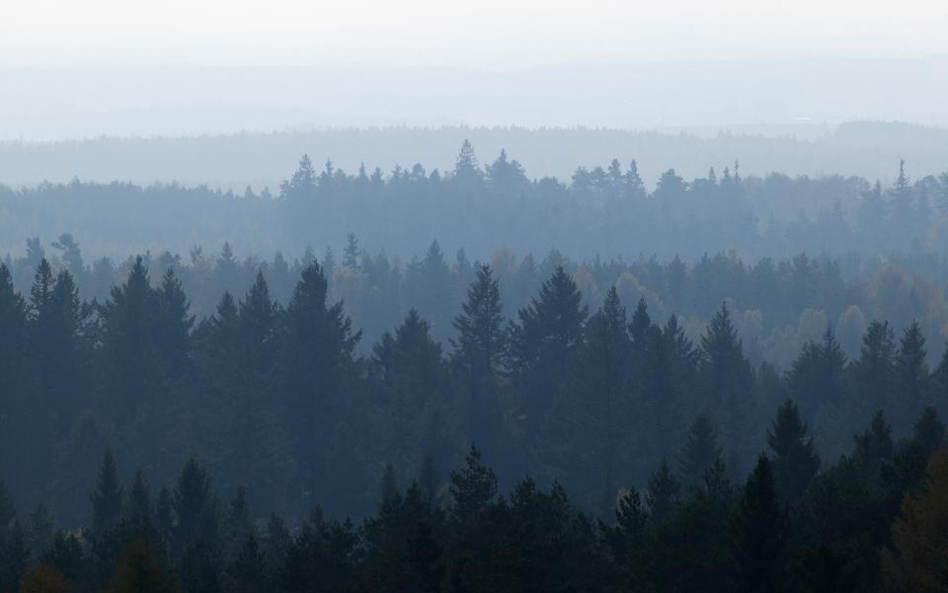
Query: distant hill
(233, 161)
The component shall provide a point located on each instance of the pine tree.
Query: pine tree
(634, 186)
(127, 334)
(506, 178)
(138, 509)
(428, 478)
(13, 369)
(409, 377)
(758, 534)
(586, 437)
(911, 374)
(929, 431)
(728, 378)
(195, 508)
(467, 174)
(14, 556)
(816, 376)
(662, 495)
(544, 340)
(796, 460)
(247, 571)
(303, 182)
(472, 488)
(247, 437)
(874, 369)
(107, 498)
(352, 253)
(700, 451)
(388, 487)
(174, 322)
(479, 351)
(639, 327)
(318, 363)
(875, 445)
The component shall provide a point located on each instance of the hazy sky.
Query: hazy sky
(485, 33)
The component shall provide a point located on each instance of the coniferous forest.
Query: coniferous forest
(736, 406)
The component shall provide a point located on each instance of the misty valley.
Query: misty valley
(474, 380)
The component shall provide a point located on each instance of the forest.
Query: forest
(607, 210)
(601, 442)
(602, 388)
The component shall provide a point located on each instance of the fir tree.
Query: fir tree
(662, 495)
(472, 488)
(544, 340)
(911, 373)
(729, 380)
(700, 451)
(796, 460)
(929, 431)
(107, 498)
(352, 253)
(479, 351)
(874, 369)
(875, 445)
(759, 533)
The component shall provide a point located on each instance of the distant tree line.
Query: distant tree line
(777, 305)
(607, 210)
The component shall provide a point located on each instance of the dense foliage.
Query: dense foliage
(609, 210)
(278, 396)
(646, 425)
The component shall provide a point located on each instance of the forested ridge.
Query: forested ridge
(732, 383)
(623, 454)
(608, 210)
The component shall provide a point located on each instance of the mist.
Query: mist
(507, 296)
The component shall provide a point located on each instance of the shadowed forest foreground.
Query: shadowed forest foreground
(627, 455)
(840, 533)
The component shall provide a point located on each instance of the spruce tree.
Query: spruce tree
(911, 374)
(303, 182)
(352, 253)
(728, 379)
(874, 446)
(195, 508)
(759, 534)
(586, 437)
(873, 371)
(107, 498)
(13, 369)
(700, 450)
(544, 341)
(929, 431)
(467, 173)
(816, 376)
(317, 368)
(127, 336)
(479, 351)
(472, 488)
(388, 486)
(138, 510)
(639, 327)
(663, 494)
(796, 460)
(174, 322)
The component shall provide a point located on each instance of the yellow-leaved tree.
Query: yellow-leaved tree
(917, 561)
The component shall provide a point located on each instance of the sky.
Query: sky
(483, 34)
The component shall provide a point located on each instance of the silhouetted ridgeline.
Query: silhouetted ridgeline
(607, 211)
(777, 305)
